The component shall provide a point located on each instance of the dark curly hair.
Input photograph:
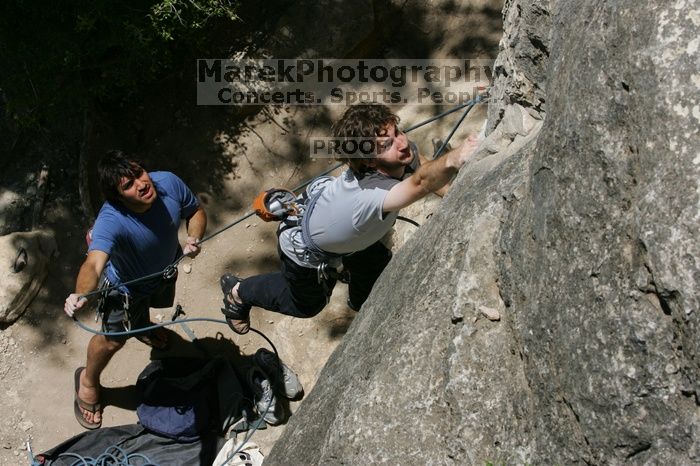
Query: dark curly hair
(363, 121)
(114, 166)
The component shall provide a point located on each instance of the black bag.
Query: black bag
(183, 398)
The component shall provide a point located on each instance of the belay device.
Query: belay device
(275, 204)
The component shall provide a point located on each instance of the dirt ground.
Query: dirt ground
(226, 155)
(226, 166)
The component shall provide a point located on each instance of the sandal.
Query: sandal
(90, 407)
(156, 338)
(237, 315)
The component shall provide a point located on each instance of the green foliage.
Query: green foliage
(56, 56)
(169, 16)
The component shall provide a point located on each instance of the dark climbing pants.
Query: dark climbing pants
(365, 268)
(296, 291)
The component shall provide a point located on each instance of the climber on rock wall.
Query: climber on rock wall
(344, 221)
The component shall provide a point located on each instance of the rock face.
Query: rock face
(548, 312)
(25, 258)
(520, 74)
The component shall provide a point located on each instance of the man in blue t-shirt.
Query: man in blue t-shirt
(134, 235)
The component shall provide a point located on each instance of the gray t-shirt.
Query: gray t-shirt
(347, 217)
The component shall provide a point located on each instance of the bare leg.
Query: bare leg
(99, 352)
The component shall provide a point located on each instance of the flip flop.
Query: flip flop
(156, 339)
(78, 403)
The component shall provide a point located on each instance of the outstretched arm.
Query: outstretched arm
(442, 191)
(429, 177)
(196, 226)
(88, 277)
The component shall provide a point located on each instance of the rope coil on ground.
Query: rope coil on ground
(113, 456)
(124, 459)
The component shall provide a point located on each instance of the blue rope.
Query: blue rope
(469, 106)
(472, 102)
(112, 456)
(170, 269)
(125, 459)
(150, 327)
(101, 460)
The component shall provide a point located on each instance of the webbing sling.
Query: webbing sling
(306, 230)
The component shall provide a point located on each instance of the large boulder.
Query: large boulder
(24, 257)
(548, 312)
(14, 208)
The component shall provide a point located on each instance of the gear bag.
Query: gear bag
(183, 399)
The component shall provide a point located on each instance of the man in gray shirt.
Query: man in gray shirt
(346, 217)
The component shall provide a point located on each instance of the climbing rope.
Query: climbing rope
(115, 456)
(169, 271)
(112, 456)
(149, 328)
(470, 103)
(454, 129)
(408, 220)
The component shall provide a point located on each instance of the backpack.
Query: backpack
(183, 398)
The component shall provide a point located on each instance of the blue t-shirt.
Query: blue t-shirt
(139, 244)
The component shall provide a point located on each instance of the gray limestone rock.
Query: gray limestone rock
(24, 257)
(521, 73)
(580, 234)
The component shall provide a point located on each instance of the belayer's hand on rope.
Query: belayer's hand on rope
(74, 301)
(192, 247)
